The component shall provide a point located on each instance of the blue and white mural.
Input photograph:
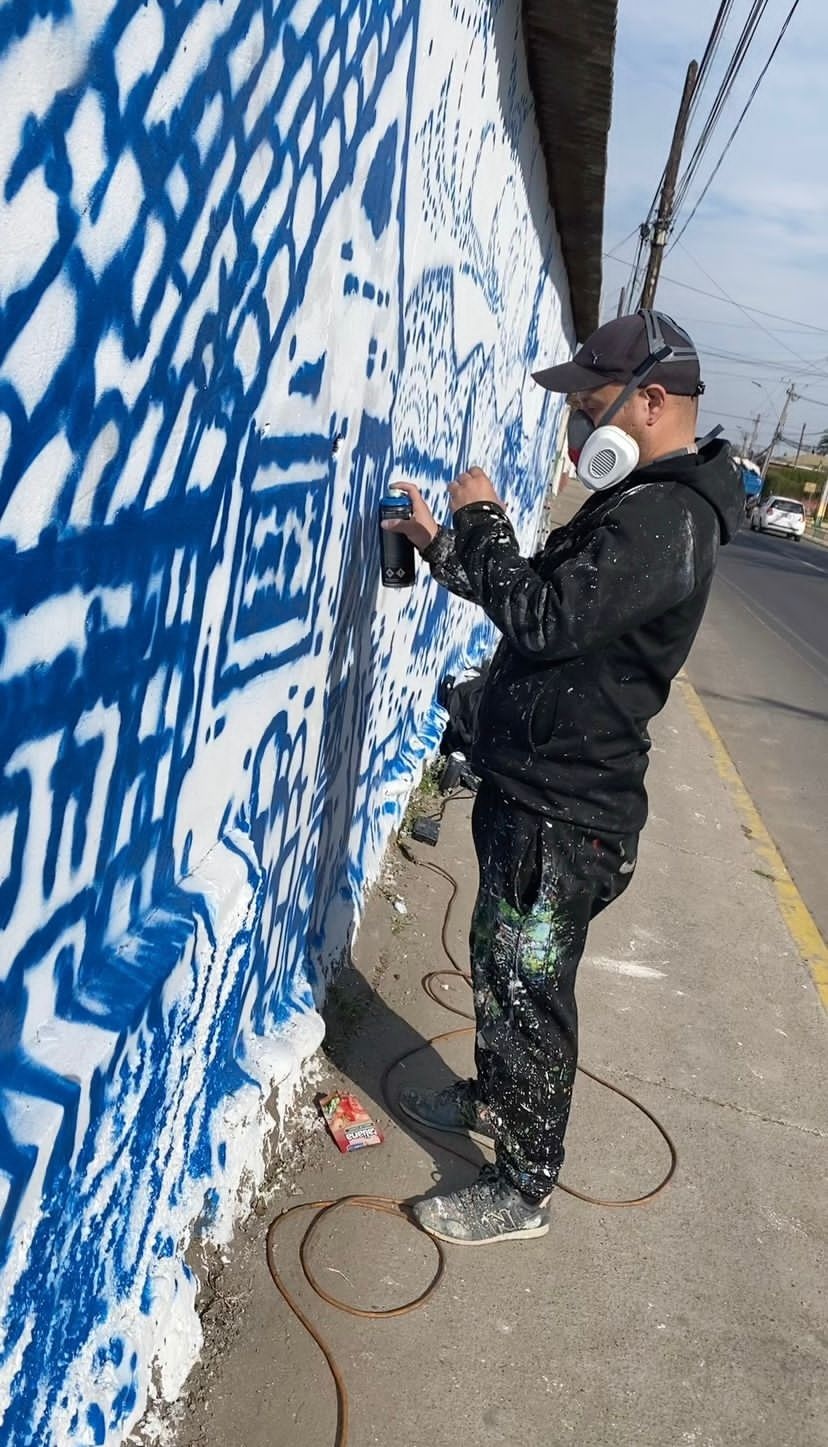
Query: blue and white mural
(257, 257)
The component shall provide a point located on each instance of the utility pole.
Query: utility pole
(823, 502)
(790, 396)
(754, 434)
(799, 444)
(621, 300)
(661, 230)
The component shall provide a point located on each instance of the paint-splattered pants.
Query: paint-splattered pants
(541, 882)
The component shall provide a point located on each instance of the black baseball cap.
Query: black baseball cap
(620, 349)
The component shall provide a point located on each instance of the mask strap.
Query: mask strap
(642, 371)
(709, 436)
(660, 351)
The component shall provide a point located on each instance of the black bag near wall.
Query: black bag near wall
(461, 702)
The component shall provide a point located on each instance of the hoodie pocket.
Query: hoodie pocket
(506, 713)
(543, 718)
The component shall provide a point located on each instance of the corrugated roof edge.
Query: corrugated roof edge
(570, 48)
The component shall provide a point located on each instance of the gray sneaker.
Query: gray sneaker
(490, 1209)
(456, 1108)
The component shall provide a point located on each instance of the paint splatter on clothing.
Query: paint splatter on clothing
(594, 628)
(541, 883)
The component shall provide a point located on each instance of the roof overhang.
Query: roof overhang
(570, 46)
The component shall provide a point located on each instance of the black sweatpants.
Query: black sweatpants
(541, 882)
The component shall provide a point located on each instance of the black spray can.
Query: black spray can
(396, 551)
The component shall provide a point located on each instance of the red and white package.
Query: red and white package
(350, 1125)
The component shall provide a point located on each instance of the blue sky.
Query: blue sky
(761, 235)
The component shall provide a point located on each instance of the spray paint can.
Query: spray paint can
(396, 551)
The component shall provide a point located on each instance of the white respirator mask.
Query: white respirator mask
(604, 455)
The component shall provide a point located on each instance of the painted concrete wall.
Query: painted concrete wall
(256, 259)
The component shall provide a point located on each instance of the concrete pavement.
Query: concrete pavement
(698, 1321)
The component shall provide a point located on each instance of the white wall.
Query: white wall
(256, 260)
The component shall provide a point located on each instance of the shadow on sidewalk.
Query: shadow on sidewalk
(761, 701)
(364, 1036)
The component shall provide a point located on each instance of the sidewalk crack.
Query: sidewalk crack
(734, 865)
(696, 1095)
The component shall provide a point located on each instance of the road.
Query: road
(761, 666)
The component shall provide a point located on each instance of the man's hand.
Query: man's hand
(421, 528)
(472, 486)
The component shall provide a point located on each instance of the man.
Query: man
(594, 629)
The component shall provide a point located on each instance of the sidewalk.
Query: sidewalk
(697, 1321)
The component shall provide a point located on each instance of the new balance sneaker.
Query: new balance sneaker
(456, 1108)
(490, 1209)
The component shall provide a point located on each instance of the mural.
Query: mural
(256, 259)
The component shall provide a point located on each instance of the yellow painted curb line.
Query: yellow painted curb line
(793, 908)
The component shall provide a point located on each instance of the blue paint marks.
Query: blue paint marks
(307, 379)
(97, 1423)
(378, 192)
(123, 1405)
(203, 695)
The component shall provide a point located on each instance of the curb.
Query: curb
(798, 918)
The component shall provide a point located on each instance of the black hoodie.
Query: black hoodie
(595, 628)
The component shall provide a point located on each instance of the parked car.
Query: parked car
(779, 515)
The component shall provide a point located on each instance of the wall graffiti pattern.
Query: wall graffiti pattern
(254, 256)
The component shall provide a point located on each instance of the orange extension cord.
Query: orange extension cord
(390, 1206)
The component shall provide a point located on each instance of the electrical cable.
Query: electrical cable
(727, 297)
(705, 65)
(735, 64)
(391, 1206)
(731, 138)
(721, 98)
(629, 237)
(710, 50)
(699, 291)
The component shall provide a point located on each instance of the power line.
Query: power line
(713, 42)
(816, 401)
(731, 138)
(742, 359)
(732, 326)
(737, 60)
(619, 244)
(742, 306)
(731, 416)
(707, 59)
(735, 303)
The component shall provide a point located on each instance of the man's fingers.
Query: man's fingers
(409, 488)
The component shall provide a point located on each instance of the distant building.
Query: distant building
(816, 461)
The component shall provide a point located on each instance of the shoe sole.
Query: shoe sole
(529, 1233)
(468, 1131)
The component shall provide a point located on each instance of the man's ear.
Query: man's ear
(656, 402)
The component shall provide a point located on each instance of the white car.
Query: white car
(779, 515)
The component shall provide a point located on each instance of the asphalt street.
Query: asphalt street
(761, 666)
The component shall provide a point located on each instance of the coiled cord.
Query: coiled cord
(390, 1206)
